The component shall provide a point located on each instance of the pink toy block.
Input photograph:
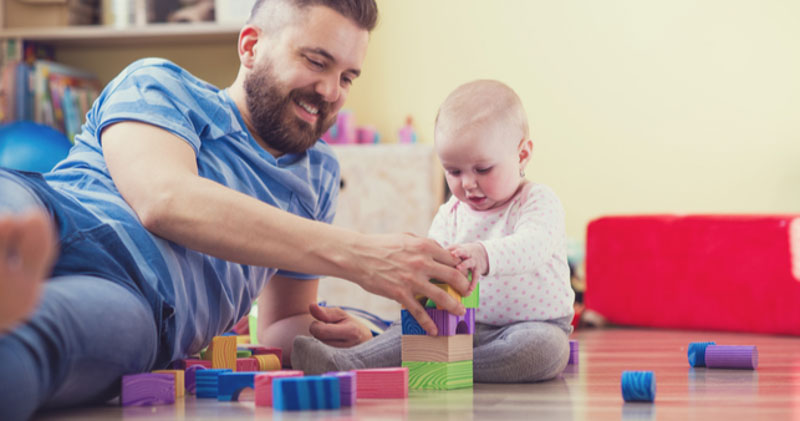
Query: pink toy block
(247, 364)
(148, 389)
(263, 383)
(382, 383)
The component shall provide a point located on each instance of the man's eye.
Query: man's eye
(314, 63)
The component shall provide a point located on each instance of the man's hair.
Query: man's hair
(364, 13)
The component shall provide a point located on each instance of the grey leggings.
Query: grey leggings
(515, 353)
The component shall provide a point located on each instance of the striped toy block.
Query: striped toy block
(447, 324)
(436, 348)
(148, 389)
(439, 375)
(247, 364)
(231, 384)
(189, 378)
(303, 393)
(207, 382)
(222, 352)
(179, 383)
(268, 362)
(263, 384)
(347, 386)
(382, 383)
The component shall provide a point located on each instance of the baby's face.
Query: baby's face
(482, 164)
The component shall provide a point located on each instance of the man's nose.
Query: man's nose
(329, 88)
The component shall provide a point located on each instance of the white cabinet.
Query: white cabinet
(387, 188)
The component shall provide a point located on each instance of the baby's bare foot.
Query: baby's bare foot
(27, 251)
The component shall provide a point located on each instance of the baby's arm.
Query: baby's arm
(539, 235)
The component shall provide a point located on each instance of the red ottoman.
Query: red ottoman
(719, 272)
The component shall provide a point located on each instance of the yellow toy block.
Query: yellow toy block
(243, 340)
(222, 352)
(179, 384)
(268, 362)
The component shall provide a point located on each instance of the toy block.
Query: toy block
(148, 389)
(709, 272)
(178, 376)
(638, 386)
(470, 301)
(262, 350)
(382, 383)
(347, 386)
(439, 375)
(268, 362)
(697, 353)
(436, 348)
(263, 384)
(189, 378)
(231, 384)
(222, 352)
(186, 363)
(242, 339)
(302, 393)
(248, 364)
(732, 356)
(243, 353)
(207, 382)
(573, 352)
(447, 324)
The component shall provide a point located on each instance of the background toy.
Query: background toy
(29, 146)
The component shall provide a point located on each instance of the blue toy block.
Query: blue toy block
(301, 393)
(231, 384)
(207, 382)
(410, 324)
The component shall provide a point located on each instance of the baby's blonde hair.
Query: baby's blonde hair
(480, 102)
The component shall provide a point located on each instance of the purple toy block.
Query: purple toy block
(449, 324)
(347, 386)
(732, 356)
(148, 389)
(573, 352)
(189, 378)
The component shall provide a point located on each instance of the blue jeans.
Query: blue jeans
(85, 334)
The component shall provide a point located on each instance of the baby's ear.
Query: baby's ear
(525, 150)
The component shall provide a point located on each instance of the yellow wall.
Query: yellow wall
(637, 106)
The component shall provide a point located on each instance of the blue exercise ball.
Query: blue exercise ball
(29, 146)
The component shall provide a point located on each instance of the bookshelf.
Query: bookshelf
(153, 34)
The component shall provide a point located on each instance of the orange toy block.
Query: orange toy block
(179, 383)
(222, 352)
(268, 362)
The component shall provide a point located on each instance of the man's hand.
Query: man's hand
(473, 258)
(400, 267)
(27, 250)
(336, 327)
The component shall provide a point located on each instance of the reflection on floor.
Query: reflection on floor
(589, 390)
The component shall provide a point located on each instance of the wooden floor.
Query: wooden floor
(589, 390)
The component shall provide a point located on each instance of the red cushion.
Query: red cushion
(719, 272)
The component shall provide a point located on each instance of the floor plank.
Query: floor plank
(589, 390)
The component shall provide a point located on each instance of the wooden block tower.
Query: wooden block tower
(443, 361)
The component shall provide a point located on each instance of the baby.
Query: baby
(508, 231)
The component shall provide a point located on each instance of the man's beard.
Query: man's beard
(272, 116)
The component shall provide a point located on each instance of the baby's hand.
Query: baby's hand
(473, 258)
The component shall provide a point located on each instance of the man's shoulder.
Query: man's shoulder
(161, 71)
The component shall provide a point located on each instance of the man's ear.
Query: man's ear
(248, 40)
(525, 150)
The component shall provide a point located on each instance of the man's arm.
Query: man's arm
(156, 172)
(283, 312)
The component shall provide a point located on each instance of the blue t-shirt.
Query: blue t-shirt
(199, 296)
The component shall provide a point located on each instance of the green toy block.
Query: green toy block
(243, 353)
(252, 323)
(439, 375)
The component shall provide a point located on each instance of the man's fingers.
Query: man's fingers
(327, 314)
(421, 316)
